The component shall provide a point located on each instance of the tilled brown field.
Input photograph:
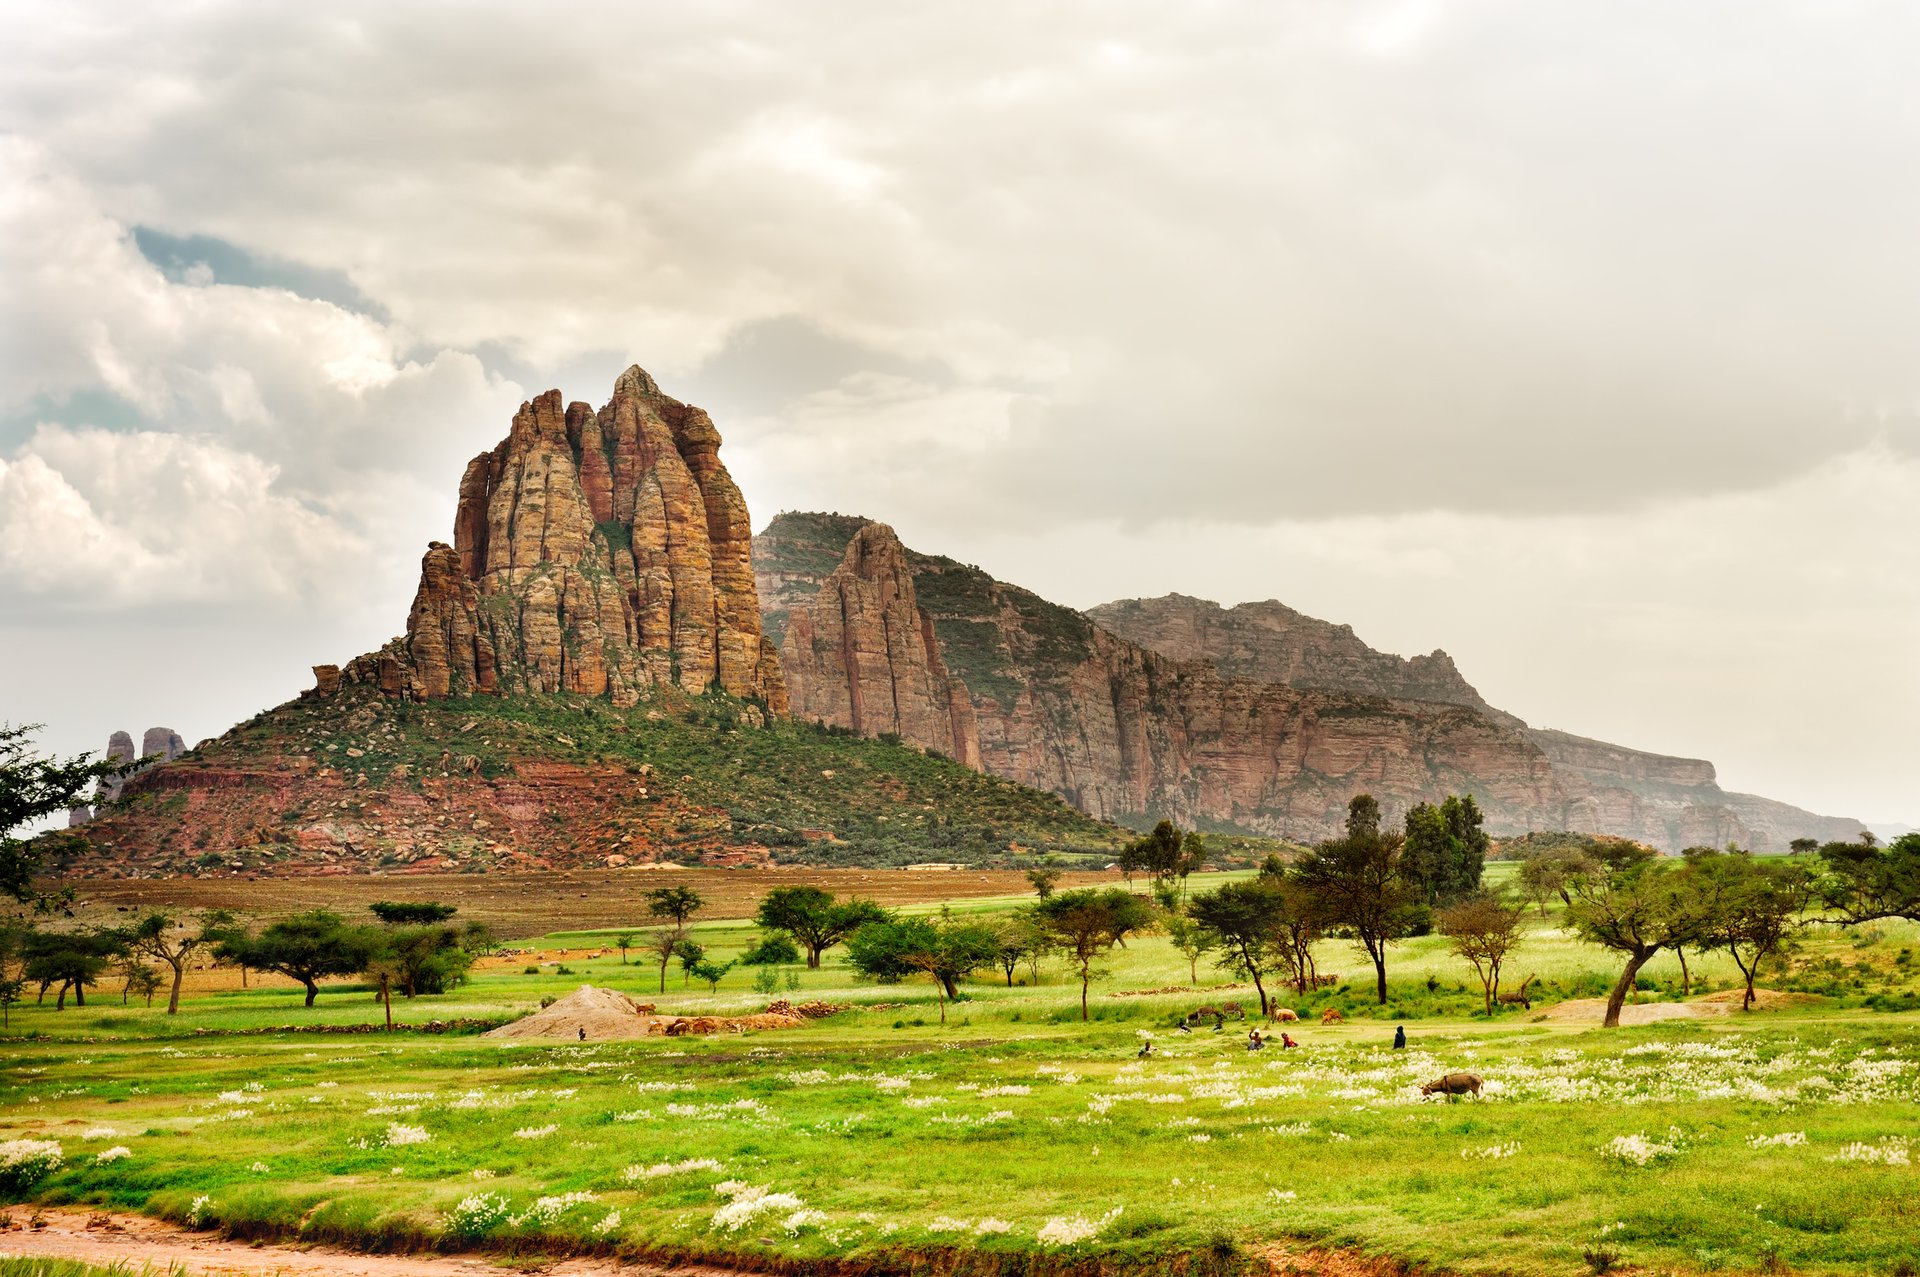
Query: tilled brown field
(534, 904)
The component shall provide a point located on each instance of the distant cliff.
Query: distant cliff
(1120, 731)
(1254, 718)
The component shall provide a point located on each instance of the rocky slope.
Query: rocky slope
(595, 553)
(584, 681)
(1118, 730)
(159, 745)
(1255, 717)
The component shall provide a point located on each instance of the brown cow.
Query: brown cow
(1281, 1015)
(1332, 1016)
(1454, 1084)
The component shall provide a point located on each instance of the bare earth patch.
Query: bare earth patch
(1594, 1010)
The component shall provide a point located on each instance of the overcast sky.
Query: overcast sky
(1581, 340)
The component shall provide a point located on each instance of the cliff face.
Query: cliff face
(596, 553)
(1271, 643)
(1060, 703)
(160, 744)
(1254, 717)
(1658, 799)
(863, 653)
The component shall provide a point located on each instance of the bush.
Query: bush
(477, 1214)
(773, 950)
(24, 1163)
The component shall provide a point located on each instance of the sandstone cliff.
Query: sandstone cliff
(1255, 717)
(594, 553)
(158, 745)
(1271, 643)
(1119, 731)
(1656, 798)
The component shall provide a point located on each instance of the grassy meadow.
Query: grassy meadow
(1016, 1137)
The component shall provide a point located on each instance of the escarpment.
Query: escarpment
(1254, 717)
(594, 553)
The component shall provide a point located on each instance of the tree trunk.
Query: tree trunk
(1618, 997)
(813, 957)
(313, 990)
(60, 1003)
(1686, 976)
(663, 975)
(173, 998)
(1261, 990)
(1380, 975)
(79, 994)
(1086, 978)
(939, 994)
(386, 997)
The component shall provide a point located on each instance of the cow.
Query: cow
(1332, 1016)
(1281, 1015)
(1454, 1084)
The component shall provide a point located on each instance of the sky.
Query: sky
(1577, 339)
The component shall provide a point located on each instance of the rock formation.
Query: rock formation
(864, 653)
(1116, 729)
(595, 553)
(1255, 717)
(158, 745)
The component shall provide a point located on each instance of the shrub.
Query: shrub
(24, 1163)
(477, 1214)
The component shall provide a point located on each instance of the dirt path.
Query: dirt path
(137, 1241)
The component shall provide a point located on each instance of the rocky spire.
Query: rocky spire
(597, 553)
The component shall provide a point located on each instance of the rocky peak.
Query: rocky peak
(596, 553)
(863, 653)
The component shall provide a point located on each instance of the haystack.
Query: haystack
(603, 1013)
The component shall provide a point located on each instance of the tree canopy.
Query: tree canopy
(32, 788)
(814, 918)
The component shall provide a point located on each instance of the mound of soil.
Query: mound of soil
(603, 1013)
(1594, 1010)
(1763, 999)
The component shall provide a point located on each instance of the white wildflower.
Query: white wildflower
(1639, 1150)
(1492, 1152)
(991, 1225)
(100, 1133)
(749, 1201)
(546, 1211)
(634, 1174)
(24, 1163)
(399, 1134)
(1070, 1230)
(476, 1214)
(1890, 1151)
(260, 1168)
(200, 1212)
(536, 1132)
(1281, 1195)
(801, 1220)
(608, 1225)
(1785, 1139)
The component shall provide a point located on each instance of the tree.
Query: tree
(1446, 849)
(1190, 938)
(677, 903)
(150, 937)
(12, 993)
(1550, 873)
(395, 912)
(1759, 908)
(1635, 910)
(1087, 923)
(663, 943)
(1804, 846)
(814, 919)
(776, 950)
(1483, 929)
(1356, 888)
(623, 942)
(480, 940)
(1043, 879)
(139, 980)
(32, 788)
(422, 959)
(691, 955)
(942, 949)
(712, 973)
(1865, 882)
(1166, 856)
(307, 947)
(71, 959)
(1242, 920)
(1015, 940)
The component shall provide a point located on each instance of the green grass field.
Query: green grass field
(1016, 1137)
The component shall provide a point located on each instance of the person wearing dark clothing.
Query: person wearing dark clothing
(1399, 1037)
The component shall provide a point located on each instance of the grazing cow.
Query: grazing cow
(1332, 1016)
(1454, 1084)
(1280, 1015)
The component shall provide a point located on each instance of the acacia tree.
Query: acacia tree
(814, 919)
(31, 788)
(1044, 877)
(307, 947)
(673, 906)
(1242, 920)
(153, 937)
(1483, 929)
(623, 942)
(71, 959)
(1357, 889)
(1635, 910)
(139, 980)
(1865, 882)
(1087, 923)
(943, 950)
(1758, 909)
(1189, 937)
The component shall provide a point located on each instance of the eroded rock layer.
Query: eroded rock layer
(1255, 717)
(595, 553)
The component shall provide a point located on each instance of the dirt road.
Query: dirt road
(139, 1242)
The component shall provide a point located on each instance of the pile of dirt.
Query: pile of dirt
(1594, 1010)
(603, 1013)
(1763, 999)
